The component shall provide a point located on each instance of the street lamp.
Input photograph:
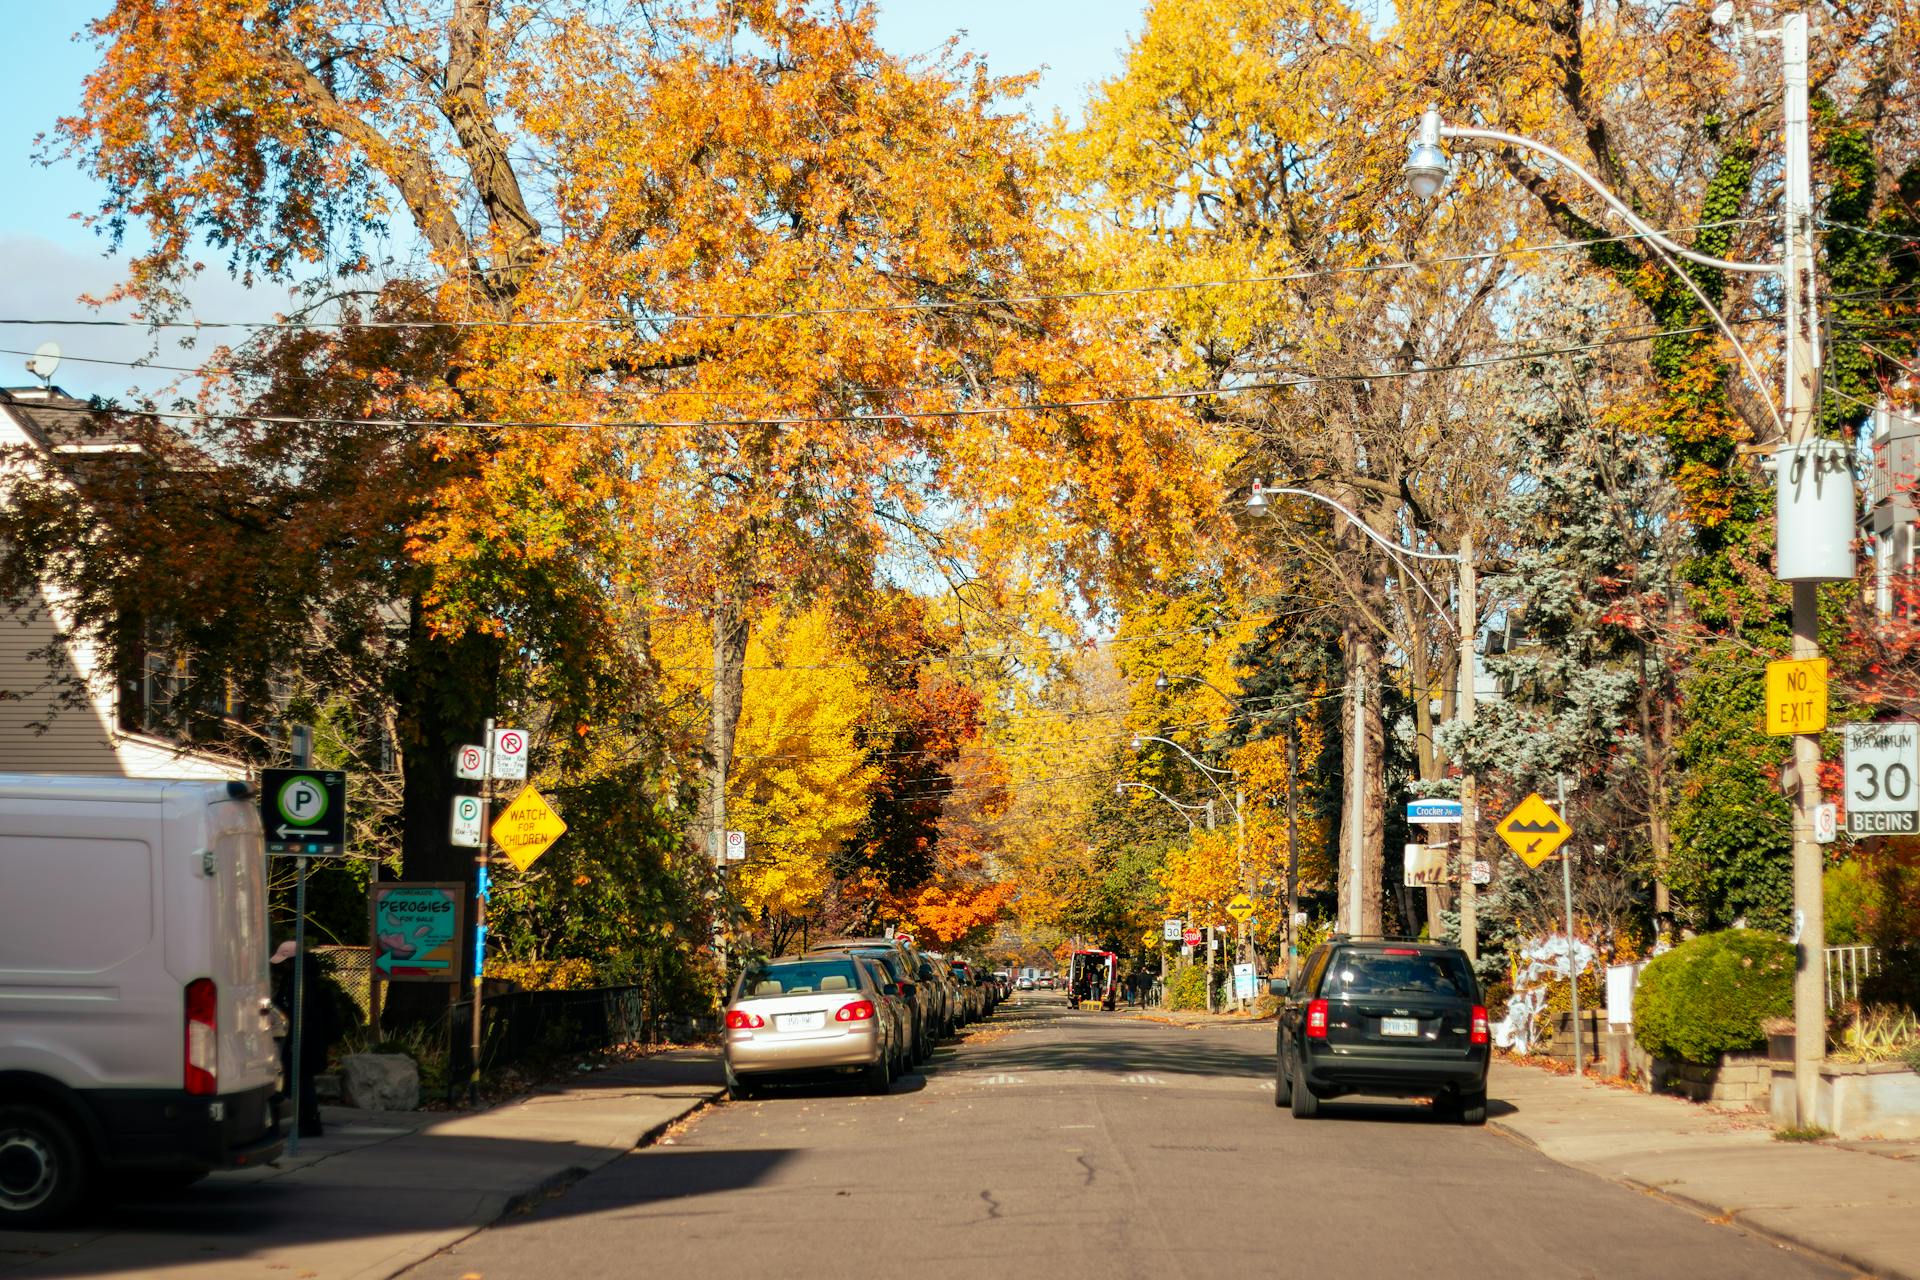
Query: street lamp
(1811, 545)
(1466, 625)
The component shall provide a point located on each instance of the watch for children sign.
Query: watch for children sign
(526, 828)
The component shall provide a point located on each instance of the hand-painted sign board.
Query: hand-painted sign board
(416, 929)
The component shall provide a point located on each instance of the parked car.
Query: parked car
(808, 1015)
(1025, 984)
(136, 1031)
(971, 994)
(1402, 1019)
(936, 978)
(903, 980)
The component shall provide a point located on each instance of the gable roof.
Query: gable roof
(60, 423)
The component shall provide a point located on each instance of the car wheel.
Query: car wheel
(877, 1078)
(1473, 1108)
(738, 1090)
(1282, 1080)
(1305, 1105)
(42, 1170)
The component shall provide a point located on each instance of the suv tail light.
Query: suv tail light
(1478, 1034)
(741, 1020)
(203, 1037)
(1317, 1020)
(857, 1011)
(1398, 951)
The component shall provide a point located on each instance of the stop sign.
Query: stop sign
(1191, 937)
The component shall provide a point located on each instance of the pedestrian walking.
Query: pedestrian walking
(319, 1028)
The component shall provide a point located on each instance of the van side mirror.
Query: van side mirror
(1278, 986)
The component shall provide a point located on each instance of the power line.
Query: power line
(884, 308)
(881, 416)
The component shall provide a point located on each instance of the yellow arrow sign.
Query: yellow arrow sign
(526, 828)
(1241, 908)
(1533, 830)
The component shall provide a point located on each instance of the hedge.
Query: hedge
(1187, 988)
(1709, 995)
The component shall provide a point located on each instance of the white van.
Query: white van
(135, 1025)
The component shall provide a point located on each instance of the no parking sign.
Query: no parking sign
(509, 753)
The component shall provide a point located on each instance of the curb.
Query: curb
(1711, 1211)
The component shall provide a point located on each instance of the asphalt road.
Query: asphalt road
(1066, 1145)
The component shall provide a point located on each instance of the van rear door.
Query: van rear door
(238, 945)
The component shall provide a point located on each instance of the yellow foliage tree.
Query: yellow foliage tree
(801, 782)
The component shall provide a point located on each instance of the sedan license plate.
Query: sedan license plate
(1399, 1026)
(801, 1021)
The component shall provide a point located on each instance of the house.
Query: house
(62, 709)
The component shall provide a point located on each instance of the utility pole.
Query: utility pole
(1469, 614)
(1212, 939)
(1293, 849)
(1573, 965)
(1809, 986)
(1357, 803)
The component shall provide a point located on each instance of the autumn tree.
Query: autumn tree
(736, 300)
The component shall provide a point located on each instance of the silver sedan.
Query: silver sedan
(809, 1014)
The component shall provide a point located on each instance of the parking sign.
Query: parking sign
(509, 753)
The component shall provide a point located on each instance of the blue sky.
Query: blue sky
(47, 259)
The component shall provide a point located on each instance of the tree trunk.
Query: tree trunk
(447, 690)
(1362, 661)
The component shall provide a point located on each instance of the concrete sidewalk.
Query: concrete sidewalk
(381, 1191)
(1858, 1202)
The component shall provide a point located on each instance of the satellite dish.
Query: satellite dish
(44, 360)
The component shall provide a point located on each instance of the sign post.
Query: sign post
(1533, 831)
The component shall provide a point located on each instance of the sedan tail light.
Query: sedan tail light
(203, 1037)
(857, 1011)
(1478, 1035)
(1317, 1020)
(741, 1020)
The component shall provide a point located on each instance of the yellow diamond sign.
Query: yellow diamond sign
(1241, 908)
(526, 828)
(1533, 830)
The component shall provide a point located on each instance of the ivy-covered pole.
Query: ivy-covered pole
(1809, 985)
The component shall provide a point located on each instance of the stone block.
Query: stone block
(380, 1081)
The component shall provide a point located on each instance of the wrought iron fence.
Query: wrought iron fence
(1846, 967)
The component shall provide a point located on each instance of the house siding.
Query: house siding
(42, 732)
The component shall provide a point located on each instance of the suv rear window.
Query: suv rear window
(1398, 971)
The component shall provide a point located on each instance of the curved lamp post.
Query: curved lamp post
(1426, 171)
(1466, 623)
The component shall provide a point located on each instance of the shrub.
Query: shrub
(1708, 996)
(1896, 979)
(1187, 988)
(543, 975)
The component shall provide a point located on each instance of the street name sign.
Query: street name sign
(1434, 811)
(509, 751)
(1533, 830)
(466, 822)
(1796, 696)
(1241, 908)
(1882, 762)
(415, 927)
(526, 828)
(304, 810)
(470, 763)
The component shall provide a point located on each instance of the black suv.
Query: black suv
(1404, 1019)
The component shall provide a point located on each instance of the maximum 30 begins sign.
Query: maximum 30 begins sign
(1883, 761)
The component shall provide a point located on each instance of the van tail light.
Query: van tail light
(203, 1037)
(1317, 1020)
(1478, 1035)
(741, 1020)
(856, 1011)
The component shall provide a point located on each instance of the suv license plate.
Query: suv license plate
(1399, 1026)
(802, 1021)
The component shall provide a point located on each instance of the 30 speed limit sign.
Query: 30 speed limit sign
(1882, 763)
